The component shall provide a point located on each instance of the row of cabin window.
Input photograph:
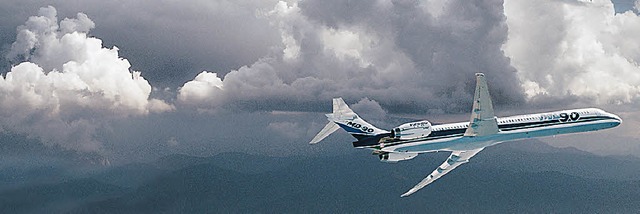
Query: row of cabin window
(455, 127)
(508, 120)
(467, 125)
(520, 119)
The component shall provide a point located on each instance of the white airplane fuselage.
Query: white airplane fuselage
(450, 137)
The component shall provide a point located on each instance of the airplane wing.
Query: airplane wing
(483, 120)
(456, 159)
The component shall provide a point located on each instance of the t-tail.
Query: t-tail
(343, 117)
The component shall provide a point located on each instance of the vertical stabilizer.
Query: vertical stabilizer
(340, 107)
(483, 120)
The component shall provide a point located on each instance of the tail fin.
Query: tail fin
(348, 120)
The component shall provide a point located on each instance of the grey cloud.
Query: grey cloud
(289, 130)
(404, 58)
(372, 112)
(169, 41)
(272, 133)
(409, 61)
(464, 39)
(269, 56)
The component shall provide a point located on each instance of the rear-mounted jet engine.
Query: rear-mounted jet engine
(413, 130)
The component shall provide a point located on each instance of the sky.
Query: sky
(136, 80)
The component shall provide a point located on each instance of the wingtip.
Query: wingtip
(314, 142)
(407, 194)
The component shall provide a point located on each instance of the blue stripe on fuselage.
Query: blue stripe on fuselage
(350, 129)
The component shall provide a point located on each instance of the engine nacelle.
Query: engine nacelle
(411, 130)
(395, 157)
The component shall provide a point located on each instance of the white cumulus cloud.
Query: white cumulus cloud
(65, 84)
(205, 91)
(579, 49)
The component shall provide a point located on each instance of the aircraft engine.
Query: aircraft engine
(411, 130)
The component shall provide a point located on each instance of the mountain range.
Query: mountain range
(523, 177)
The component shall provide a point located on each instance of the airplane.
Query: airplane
(462, 139)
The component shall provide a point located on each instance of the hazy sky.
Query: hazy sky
(134, 80)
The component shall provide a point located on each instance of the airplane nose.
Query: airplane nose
(617, 118)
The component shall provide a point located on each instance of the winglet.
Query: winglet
(483, 120)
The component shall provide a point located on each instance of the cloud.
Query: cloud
(370, 110)
(385, 56)
(585, 50)
(170, 41)
(172, 142)
(396, 53)
(289, 130)
(205, 91)
(65, 84)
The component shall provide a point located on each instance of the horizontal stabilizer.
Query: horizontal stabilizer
(326, 131)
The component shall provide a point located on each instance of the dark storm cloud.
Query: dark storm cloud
(405, 54)
(395, 53)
